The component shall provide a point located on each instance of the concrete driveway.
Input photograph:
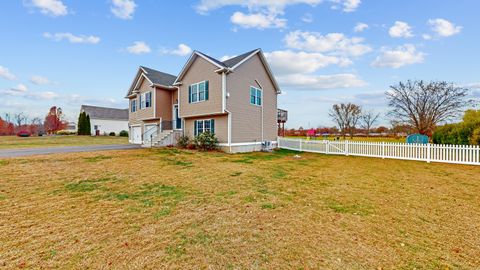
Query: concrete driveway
(7, 153)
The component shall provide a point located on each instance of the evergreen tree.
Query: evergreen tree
(81, 124)
(88, 127)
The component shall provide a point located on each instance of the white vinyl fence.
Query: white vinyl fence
(459, 154)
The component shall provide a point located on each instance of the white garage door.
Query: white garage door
(136, 135)
(150, 132)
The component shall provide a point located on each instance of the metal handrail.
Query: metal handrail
(151, 135)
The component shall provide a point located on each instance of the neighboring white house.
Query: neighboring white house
(105, 120)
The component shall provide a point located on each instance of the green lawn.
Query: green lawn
(9, 142)
(175, 209)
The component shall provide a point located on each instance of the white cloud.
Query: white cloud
(72, 38)
(360, 27)
(47, 95)
(319, 82)
(334, 43)
(398, 57)
(123, 9)
(139, 47)
(261, 13)
(307, 18)
(49, 7)
(226, 57)
(426, 36)
(39, 80)
(182, 50)
(273, 5)
(20, 88)
(401, 30)
(288, 62)
(346, 5)
(443, 27)
(257, 20)
(6, 74)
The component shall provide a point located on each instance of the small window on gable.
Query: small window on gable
(255, 96)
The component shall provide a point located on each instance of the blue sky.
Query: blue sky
(68, 53)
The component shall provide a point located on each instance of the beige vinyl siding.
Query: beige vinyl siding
(201, 70)
(246, 117)
(221, 127)
(145, 113)
(164, 104)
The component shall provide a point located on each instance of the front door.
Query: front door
(176, 119)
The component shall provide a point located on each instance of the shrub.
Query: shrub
(460, 133)
(123, 133)
(183, 142)
(475, 138)
(206, 141)
(112, 134)
(66, 132)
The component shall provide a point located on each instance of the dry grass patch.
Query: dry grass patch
(166, 208)
(11, 142)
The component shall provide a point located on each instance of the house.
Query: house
(105, 120)
(71, 127)
(236, 99)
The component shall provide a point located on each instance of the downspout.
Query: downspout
(224, 109)
(263, 101)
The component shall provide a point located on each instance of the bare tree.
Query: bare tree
(424, 105)
(20, 118)
(368, 119)
(346, 116)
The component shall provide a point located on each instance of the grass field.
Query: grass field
(165, 208)
(362, 139)
(9, 142)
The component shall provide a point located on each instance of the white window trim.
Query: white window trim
(133, 101)
(250, 96)
(198, 92)
(150, 93)
(203, 125)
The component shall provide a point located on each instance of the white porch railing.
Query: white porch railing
(459, 154)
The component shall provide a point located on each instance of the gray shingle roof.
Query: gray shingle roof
(96, 112)
(158, 77)
(230, 62)
(237, 59)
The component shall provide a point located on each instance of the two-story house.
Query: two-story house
(236, 99)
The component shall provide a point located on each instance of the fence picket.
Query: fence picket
(461, 154)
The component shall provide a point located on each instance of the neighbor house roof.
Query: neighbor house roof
(96, 112)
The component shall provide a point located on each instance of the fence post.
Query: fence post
(346, 148)
(383, 150)
(327, 148)
(301, 145)
(428, 152)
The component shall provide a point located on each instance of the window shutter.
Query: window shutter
(212, 126)
(189, 94)
(206, 90)
(195, 128)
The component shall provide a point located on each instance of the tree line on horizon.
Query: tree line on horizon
(11, 124)
(414, 107)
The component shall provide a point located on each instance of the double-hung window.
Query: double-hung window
(148, 99)
(201, 126)
(133, 105)
(198, 92)
(141, 101)
(255, 96)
